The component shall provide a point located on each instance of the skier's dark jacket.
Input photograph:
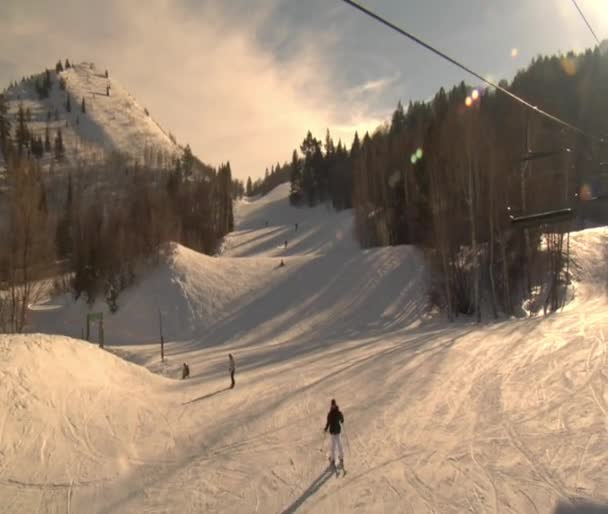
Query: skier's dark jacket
(334, 418)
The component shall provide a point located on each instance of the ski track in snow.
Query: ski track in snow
(506, 417)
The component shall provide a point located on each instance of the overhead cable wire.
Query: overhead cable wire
(586, 22)
(458, 64)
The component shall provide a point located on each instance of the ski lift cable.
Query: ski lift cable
(586, 22)
(458, 64)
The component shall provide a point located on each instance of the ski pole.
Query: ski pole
(347, 439)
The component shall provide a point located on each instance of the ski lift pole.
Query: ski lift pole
(162, 339)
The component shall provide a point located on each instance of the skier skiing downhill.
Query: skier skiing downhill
(335, 418)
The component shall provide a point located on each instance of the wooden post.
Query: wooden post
(162, 340)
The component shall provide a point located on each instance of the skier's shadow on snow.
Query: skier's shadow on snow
(317, 483)
(207, 396)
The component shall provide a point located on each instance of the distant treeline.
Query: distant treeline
(442, 175)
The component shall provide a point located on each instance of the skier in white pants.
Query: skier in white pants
(334, 420)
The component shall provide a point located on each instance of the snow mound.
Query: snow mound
(189, 290)
(73, 414)
(214, 300)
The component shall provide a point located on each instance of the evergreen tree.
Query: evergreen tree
(47, 140)
(83, 107)
(107, 75)
(58, 67)
(295, 190)
(320, 173)
(37, 147)
(5, 125)
(187, 161)
(311, 149)
(48, 83)
(329, 144)
(228, 199)
(59, 148)
(248, 190)
(398, 122)
(39, 89)
(67, 64)
(355, 147)
(63, 239)
(22, 134)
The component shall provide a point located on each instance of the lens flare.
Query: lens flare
(413, 158)
(514, 52)
(469, 101)
(419, 153)
(568, 65)
(585, 192)
(475, 94)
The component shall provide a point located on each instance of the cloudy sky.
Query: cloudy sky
(243, 80)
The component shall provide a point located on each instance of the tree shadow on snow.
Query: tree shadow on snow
(316, 484)
(359, 303)
(580, 508)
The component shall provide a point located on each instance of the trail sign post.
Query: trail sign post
(98, 317)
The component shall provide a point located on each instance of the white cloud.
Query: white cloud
(375, 86)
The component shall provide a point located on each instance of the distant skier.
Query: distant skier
(296, 227)
(335, 418)
(285, 244)
(232, 369)
(185, 371)
(282, 264)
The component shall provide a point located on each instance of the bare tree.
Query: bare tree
(29, 249)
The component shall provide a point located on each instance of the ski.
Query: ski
(336, 468)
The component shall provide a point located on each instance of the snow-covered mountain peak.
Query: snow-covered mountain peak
(94, 112)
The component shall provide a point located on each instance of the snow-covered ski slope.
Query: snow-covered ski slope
(502, 417)
(111, 123)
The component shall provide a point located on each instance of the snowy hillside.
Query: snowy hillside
(446, 418)
(111, 123)
(216, 300)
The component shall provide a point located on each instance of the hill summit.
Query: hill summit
(95, 114)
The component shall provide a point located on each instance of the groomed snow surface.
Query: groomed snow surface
(501, 417)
